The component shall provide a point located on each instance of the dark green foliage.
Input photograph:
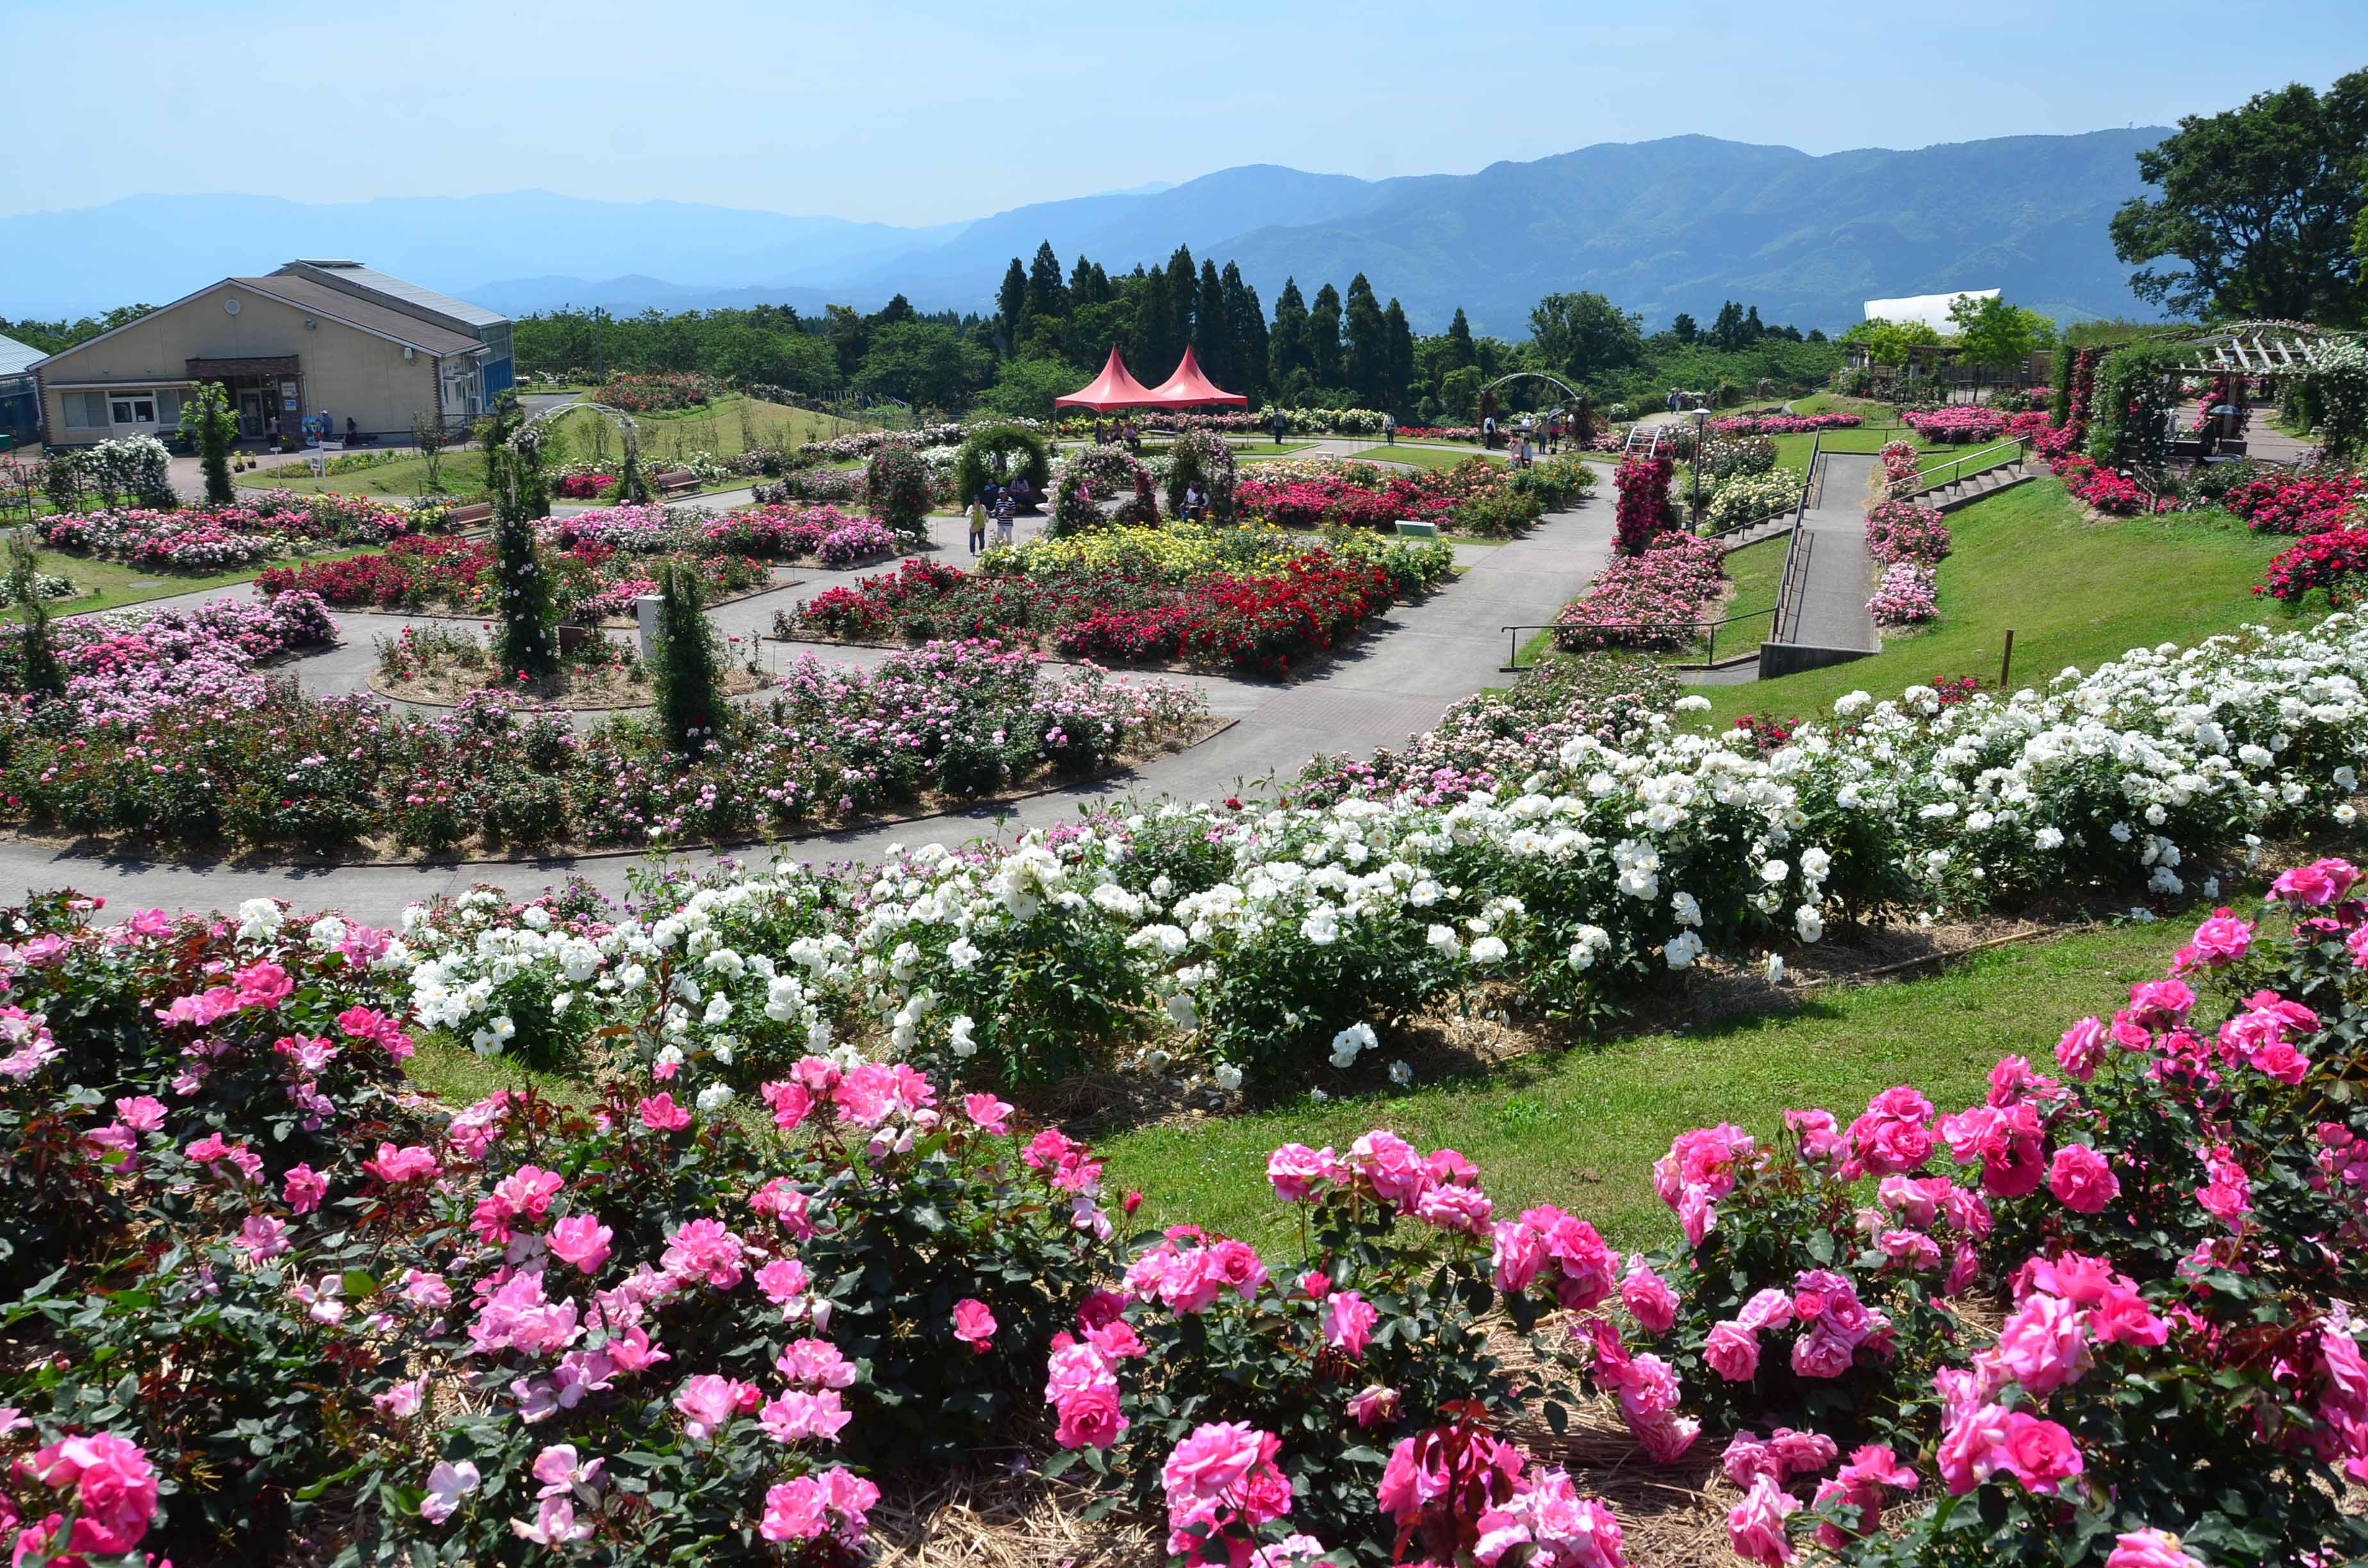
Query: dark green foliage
(207, 418)
(896, 488)
(40, 674)
(2260, 202)
(523, 642)
(988, 457)
(684, 676)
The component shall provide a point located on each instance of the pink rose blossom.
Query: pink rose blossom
(1733, 1352)
(1348, 1321)
(2151, 1549)
(1755, 1527)
(987, 1113)
(973, 1323)
(581, 1240)
(2082, 1180)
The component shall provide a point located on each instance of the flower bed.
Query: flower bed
(261, 766)
(2105, 489)
(2300, 503)
(219, 539)
(1903, 531)
(1477, 497)
(121, 668)
(1653, 600)
(655, 392)
(1905, 594)
(791, 533)
(1782, 424)
(1271, 938)
(2334, 562)
(1255, 599)
(1956, 425)
(585, 486)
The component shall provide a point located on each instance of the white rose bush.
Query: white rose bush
(1248, 936)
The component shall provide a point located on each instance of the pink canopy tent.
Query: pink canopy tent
(1114, 388)
(1188, 388)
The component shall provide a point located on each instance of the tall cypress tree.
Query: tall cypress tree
(1011, 299)
(1398, 356)
(1286, 347)
(1367, 351)
(1047, 297)
(1082, 291)
(1460, 352)
(1324, 336)
(1212, 329)
(1157, 346)
(1248, 323)
(1183, 294)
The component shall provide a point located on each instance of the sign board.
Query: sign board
(1409, 529)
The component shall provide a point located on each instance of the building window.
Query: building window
(84, 409)
(131, 408)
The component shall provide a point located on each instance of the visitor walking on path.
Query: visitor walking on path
(1389, 428)
(978, 524)
(1003, 517)
(1279, 426)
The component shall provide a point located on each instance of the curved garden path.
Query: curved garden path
(1394, 680)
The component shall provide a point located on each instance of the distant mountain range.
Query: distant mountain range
(1676, 225)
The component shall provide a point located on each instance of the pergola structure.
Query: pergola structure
(2262, 348)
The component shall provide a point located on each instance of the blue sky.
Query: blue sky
(930, 113)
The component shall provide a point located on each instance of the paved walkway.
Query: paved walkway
(1393, 681)
(1833, 592)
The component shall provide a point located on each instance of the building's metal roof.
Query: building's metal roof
(393, 287)
(384, 319)
(15, 357)
(1931, 310)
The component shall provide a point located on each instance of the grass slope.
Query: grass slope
(2074, 591)
(726, 426)
(110, 585)
(1582, 1129)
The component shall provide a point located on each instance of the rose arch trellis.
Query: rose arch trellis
(527, 442)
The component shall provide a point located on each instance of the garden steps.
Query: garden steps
(1822, 618)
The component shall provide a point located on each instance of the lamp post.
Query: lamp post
(1702, 424)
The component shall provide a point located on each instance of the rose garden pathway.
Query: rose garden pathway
(1393, 680)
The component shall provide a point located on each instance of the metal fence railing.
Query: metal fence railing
(1708, 633)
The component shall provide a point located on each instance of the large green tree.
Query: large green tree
(1366, 342)
(1585, 335)
(924, 363)
(1460, 352)
(1289, 361)
(1011, 299)
(1212, 328)
(1047, 295)
(1397, 357)
(2260, 202)
(1324, 336)
(1994, 333)
(1248, 319)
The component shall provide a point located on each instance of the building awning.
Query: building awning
(226, 370)
(1188, 388)
(1114, 388)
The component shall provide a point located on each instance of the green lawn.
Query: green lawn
(1582, 1129)
(1756, 570)
(110, 585)
(727, 427)
(1253, 449)
(2074, 592)
(1420, 456)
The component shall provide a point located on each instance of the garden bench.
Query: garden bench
(1410, 528)
(682, 481)
(475, 512)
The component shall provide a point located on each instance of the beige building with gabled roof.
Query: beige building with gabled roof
(314, 337)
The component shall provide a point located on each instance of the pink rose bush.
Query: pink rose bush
(2179, 1213)
(488, 1329)
(1290, 1384)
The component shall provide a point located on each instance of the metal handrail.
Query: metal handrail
(1800, 505)
(1797, 554)
(1514, 647)
(1956, 465)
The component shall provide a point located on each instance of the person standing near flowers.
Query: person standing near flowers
(978, 524)
(1279, 424)
(1004, 513)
